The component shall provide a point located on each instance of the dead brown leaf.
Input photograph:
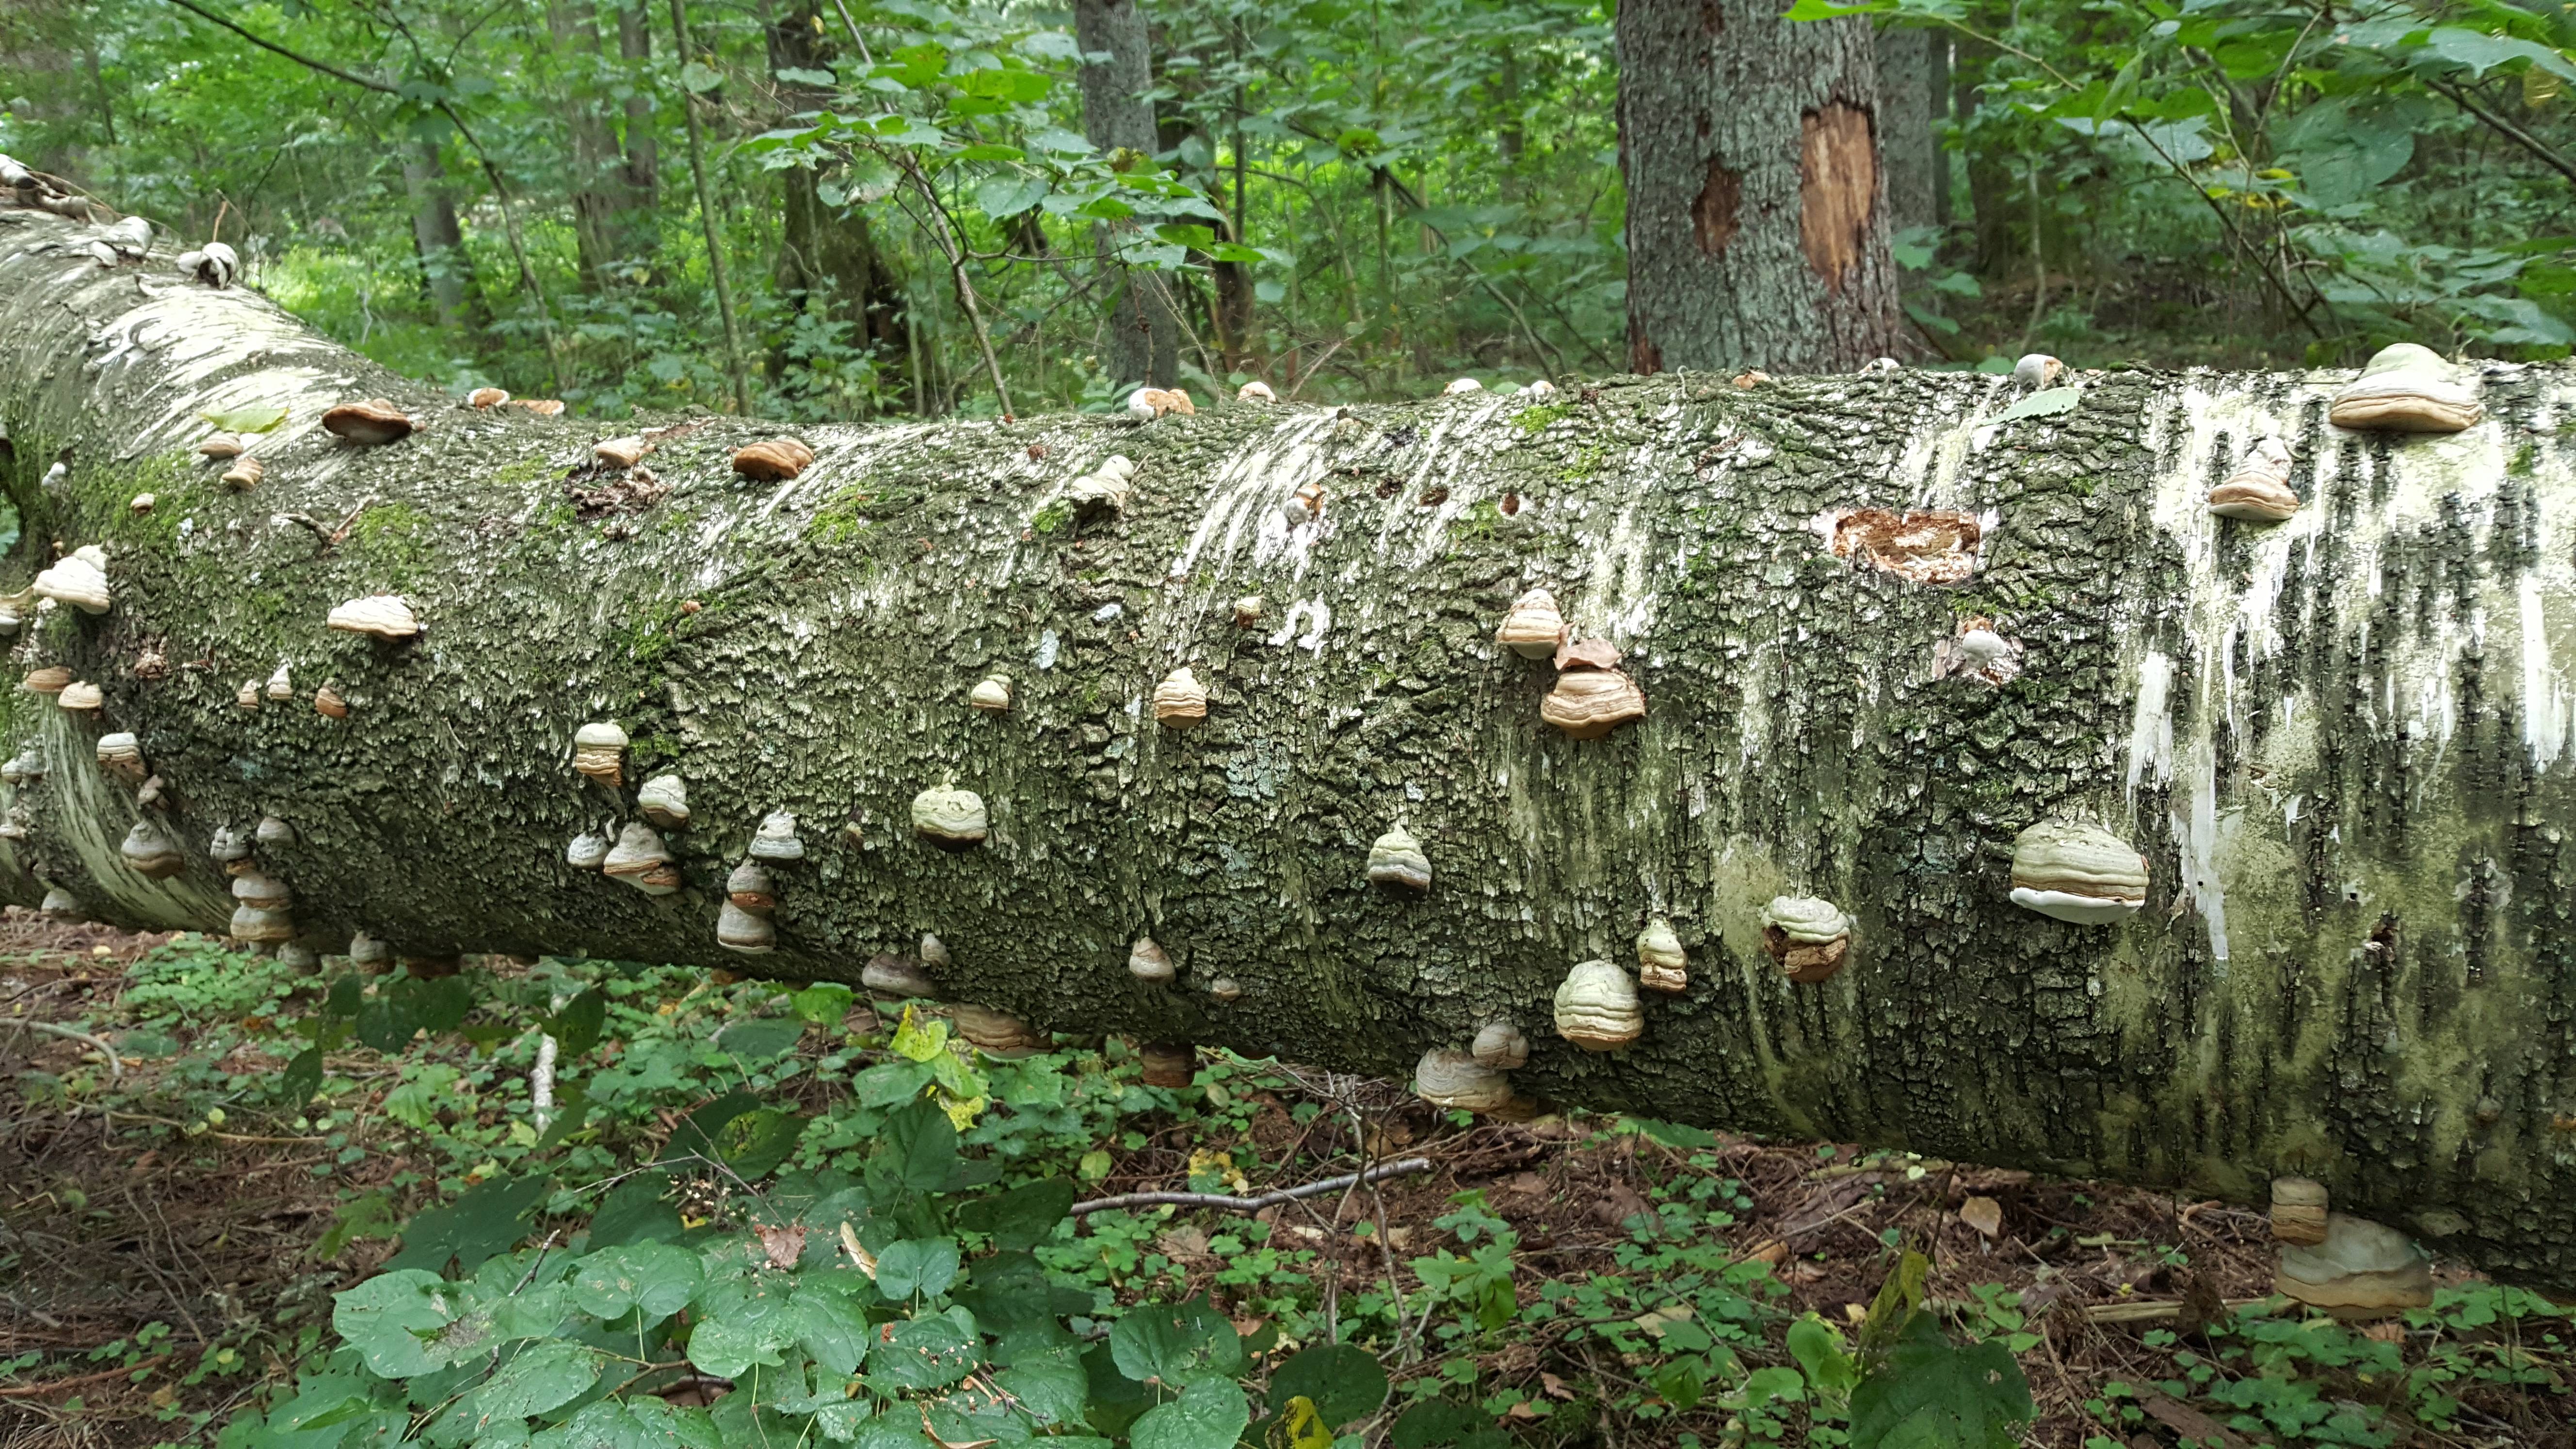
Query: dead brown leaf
(1984, 1214)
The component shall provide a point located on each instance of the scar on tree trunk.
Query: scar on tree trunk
(1837, 185)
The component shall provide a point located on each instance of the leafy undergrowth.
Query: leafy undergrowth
(307, 1211)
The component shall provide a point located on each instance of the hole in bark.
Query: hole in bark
(1432, 498)
(1387, 488)
(1712, 17)
(1511, 504)
(1935, 546)
(1643, 357)
(1713, 211)
(1837, 186)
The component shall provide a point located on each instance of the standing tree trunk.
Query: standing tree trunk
(641, 180)
(828, 267)
(1912, 94)
(1144, 331)
(1757, 215)
(2346, 745)
(598, 181)
(446, 272)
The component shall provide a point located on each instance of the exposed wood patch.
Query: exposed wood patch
(1721, 197)
(1837, 187)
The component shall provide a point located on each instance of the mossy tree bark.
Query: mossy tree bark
(2343, 742)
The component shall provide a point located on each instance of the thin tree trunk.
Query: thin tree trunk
(1757, 215)
(827, 266)
(2346, 745)
(1144, 335)
(708, 219)
(642, 146)
(447, 273)
(597, 183)
(1909, 102)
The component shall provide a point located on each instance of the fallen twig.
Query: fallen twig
(115, 1065)
(1221, 1201)
(19, 1391)
(332, 537)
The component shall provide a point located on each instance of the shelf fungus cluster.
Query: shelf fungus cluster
(81, 697)
(599, 751)
(773, 460)
(79, 579)
(1534, 629)
(370, 422)
(640, 859)
(950, 818)
(1662, 965)
(1146, 404)
(386, 616)
(1457, 1080)
(1597, 1007)
(2406, 388)
(1105, 489)
(1167, 1064)
(1500, 1045)
(776, 841)
(2356, 1269)
(121, 754)
(1180, 703)
(1396, 861)
(1809, 937)
(1593, 696)
(997, 1033)
(2078, 873)
(150, 852)
(2259, 490)
(664, 799)
(2298, 1211)
(244, 474)
(1148, 961)
(262, 909)
(742, 922)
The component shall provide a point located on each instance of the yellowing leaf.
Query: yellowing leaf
(918, 1039)
(865, 1261)
(1094, 1166)
(1303, 1427)
(962, 1111)
(1984, 1214)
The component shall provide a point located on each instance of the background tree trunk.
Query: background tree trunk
(1144, 331)
(1912, 96)
(447, 272)
(641, 180)
(2344, 743)
(828, 265)
(598, 187)
(1757, 212)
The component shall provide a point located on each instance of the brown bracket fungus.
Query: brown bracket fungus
(2406, 388)
(369, 423)
(1168, 1064)
(328, 703)
(641, 860)
(664, 801)
(228, 845)
(2259, 490)
(487, 397)
(121, 755)
(1538, 388)
(776, 841)
(2078, 873)
(544, 407)
(1304, 504)
(245, 473)
(151, 853)
(749, 887)
(1590, 700)
(2360, 1270)
(1146, 404)
(78, 579)
(1179, 702)
(2298, 1211)
(1533, 629)
(747, 932)
(28, 764)
(599, 751)
(587, 851)
(62, 905)
(997, 1033)
(2038, 369)
(1247, 611)
(1397, 861)
(1662, 965)
(248, 695)
(81, 697)
(992, 695)
(1597, 1008)
(281, 685)
(950, 818)
(141, 503)
(934, 952)
(274, 833)
(261, 928)
(52, 679)
(386, 616)
(223, 445)
(897, 978)
(621, 452)
(1809, 937)
(1225, 988)
(774, 460)
(261, 891)
(1456, 1080)
(367, 951)
(1500, 1045)
(1147, 961)
(1255, 391)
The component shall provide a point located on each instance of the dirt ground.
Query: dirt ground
(102, 1235)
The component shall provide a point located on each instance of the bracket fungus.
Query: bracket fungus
(1534, 629)
(297, 958)
(1538, 388)
(1500, 1045)
(621, 452)
(28, 764)
(1461, 386)
(2078, 873)
(1304, 504)
(1255, 391)
(228, 845)
(1591, 697)
(950, 818)
(2360, 1269)
(599, 751)
(1147, 961)
(773, 460)
(997, 1033)
(776, 841)
(262, 891)
(2038, 369)
(1456, 1080)
(387, 616)
(2406, 388)
(366, 950)
(1809, 937)
(1397, 860)
(1225, 988)
(261, 927)
(1104, 489)
(641, 860)
(51, 679)
(1148, 403)
(121, 755)
(244, 474)
(544, 407)
(81, 696)
(2259, 490)
(328, 703)
(487, 397)
(664, 801)
(281, 685)
(248, 695)
(1247, 611)
(214, 264)
(750, 887)
(79, 579)
(151, 853)
(368, 423)
(1168, 1064)
(895, 978)
(61, 904)
(1662, 965)
(274, 833)
(993, 695)
(1597, 1008)
(747, 932)
(223, 445)
(2299, 1211)
(1978, 652)
(148, 794)
(1179, 701)
(587, 851)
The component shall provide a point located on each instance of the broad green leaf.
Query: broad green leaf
(890, 1084)
(1000, 196)
(1932, 1394)
(824, 1003)
(1209, 1414)
(655, 1277)
(916, 1265)
(2047, 402)
(919, 1039)
(388, 1319)
(1176, 1345)
(728, 1350)
(301, 1079)
(761, 1037)
(699, 78)
(488, 1219)
(832, 1328)
(1819, 1350)
(257, 418)
(633, 1212)
(798, 75)
(545, 1375)
(1023, 1217)
(926, 1353)
(1444, 1421)
(755, 1142)
(918, 1148)
(1050, 1385)
(576, 1027)
(1344, 1382)
(695, 1136)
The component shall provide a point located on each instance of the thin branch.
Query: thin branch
(707, 215)
(115, 1066)
(2505, 128)
(951, 248)
(1224, 1203)
(303, 60)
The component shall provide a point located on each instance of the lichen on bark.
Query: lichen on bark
(2343, 743)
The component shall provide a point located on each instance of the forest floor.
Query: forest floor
(165, 1262)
